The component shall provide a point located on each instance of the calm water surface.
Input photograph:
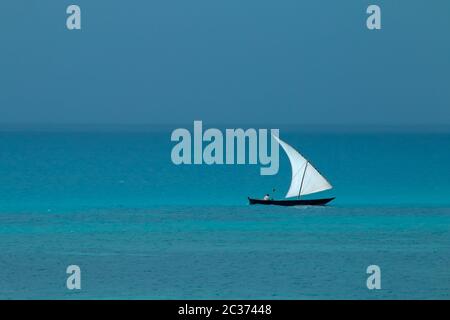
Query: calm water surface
(140, 227)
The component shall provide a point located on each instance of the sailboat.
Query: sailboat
(305, 180)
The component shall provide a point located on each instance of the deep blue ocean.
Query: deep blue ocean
(139, 226)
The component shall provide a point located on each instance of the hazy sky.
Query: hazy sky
(277, 61)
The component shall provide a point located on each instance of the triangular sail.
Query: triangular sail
(305, 178)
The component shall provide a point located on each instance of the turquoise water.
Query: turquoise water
(141, 227)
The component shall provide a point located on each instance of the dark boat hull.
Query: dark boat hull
(290, 203)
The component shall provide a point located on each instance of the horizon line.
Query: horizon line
(367, 127)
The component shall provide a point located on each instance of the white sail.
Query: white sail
(305, 178)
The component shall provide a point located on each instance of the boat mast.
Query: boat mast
(303, 177)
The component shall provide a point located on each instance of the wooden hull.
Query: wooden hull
(290, 203)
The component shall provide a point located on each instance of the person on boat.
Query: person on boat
(266, 197)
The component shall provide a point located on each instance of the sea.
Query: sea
(139, 227)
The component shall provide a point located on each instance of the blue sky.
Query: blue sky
(230, 61)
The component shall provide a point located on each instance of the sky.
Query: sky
(225, 61)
